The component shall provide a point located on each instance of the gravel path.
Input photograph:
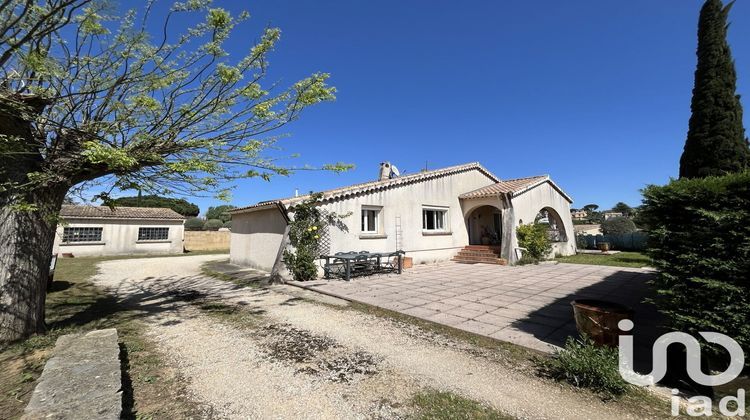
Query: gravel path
(298, 359)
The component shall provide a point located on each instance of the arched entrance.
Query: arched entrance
(485, 226)
(555, 227)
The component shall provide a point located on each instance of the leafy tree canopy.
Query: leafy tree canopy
(623, 208)
(179, 205)
(116, 106)
(590, 207)
(618, 226)
(219, 212)
(194, 223)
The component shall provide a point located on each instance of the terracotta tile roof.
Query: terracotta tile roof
(513, 187)
(368, 187)
(102, 212)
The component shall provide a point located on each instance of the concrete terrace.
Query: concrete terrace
(526, 305)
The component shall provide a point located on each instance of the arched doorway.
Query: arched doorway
(485, 226)
(554, 224)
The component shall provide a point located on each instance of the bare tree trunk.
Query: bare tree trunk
(26, 239)
(28, 219)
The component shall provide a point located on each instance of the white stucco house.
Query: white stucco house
(93, 230)
(459, 213)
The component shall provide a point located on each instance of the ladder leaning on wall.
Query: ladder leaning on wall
(399, 236)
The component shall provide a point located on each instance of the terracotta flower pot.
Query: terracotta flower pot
(598, 319)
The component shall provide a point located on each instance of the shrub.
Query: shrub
(581, 242)
(700, 243)
(586, 365)
(534, 238)
(305, 232)
(618, 226)
(194, 223)
(213, 224)
(220, 212)
(228, 224)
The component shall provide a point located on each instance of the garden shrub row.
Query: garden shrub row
(700, 243)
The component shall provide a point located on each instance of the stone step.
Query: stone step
(477, 260)
(483, 247)
(471, 254)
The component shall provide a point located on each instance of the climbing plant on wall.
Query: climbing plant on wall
(305, 233)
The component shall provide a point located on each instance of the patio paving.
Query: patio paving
(526, 305)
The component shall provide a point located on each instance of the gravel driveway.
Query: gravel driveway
(301, 359)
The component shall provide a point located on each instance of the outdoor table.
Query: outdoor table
(350, 259)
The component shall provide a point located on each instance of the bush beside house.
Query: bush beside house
(700, 243)
(535, 239)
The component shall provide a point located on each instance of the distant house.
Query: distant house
(92, 230)
(588, 229)
(432, 215)
(579, 214)
(612, 214)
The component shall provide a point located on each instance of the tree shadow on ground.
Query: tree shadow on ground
(625, 287)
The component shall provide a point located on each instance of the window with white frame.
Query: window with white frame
(434, 219)
(82, 234)
(153, 233)
(370, 220)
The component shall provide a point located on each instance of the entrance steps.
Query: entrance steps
(480, 254)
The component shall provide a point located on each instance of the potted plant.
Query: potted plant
(598, 319)
(603, 246)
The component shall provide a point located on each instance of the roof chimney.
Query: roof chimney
(385, 171)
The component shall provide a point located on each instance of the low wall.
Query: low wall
(207, 240)
(82, 379)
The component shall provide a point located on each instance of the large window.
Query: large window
(370, 220)
(434, 219)
(82, 234)
(153, 233)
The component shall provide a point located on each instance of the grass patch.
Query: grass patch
(436, 405)
(75, 305)
(622, 259)
(585, 365)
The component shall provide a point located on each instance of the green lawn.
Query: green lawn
(623, 259)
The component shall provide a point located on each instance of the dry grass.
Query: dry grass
(75, 305)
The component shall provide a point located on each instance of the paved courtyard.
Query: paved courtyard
(526, 305)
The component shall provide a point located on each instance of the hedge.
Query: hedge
(700, 243)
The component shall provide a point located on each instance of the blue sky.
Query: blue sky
(596, 94)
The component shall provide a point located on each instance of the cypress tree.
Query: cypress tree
(716, 142)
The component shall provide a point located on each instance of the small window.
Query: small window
(434, 219)
(370, 220)
(82, 234)
(153, 233)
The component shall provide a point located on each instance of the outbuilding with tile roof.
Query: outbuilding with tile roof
(462, 213)
(94, 230)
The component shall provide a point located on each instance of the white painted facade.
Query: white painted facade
(398, 223)
(120, 237)
(256, 238)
